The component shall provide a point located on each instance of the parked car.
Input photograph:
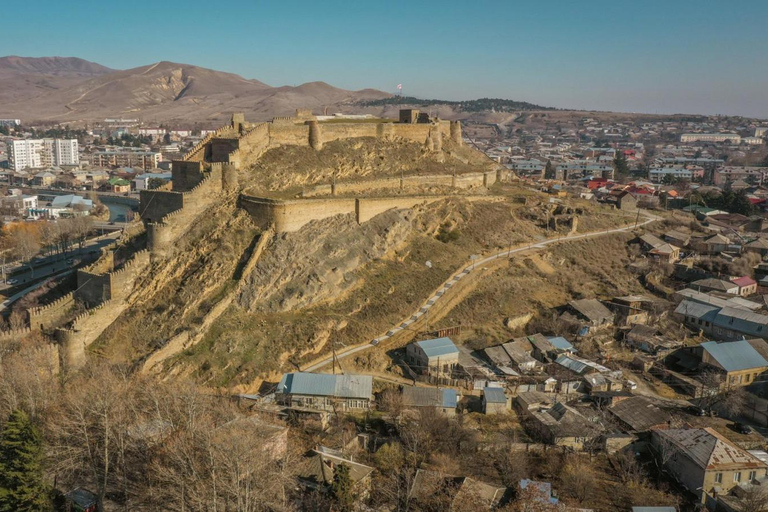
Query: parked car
(742, 428)
(696, 410)
(12, 281)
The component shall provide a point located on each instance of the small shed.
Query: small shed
(494, 401)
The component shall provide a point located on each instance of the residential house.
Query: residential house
(747, 285)
(626, 200)
(598, 382)
(44, 179)
(760, 246)
(119, 185)
(639, 414)
(519, 351)
(722, 323)
(324, 391)
(665, 253)
(591, 311)
(531, 401)
(704, 461)
(715, 285)
(580, 365)
(494, 401)
(444, 400)
(714, 300)
(542, 489)
(677, 238)
(649, 242)
(433, 487)
(648, 339)
(631, 309)
(715, 244)
(562, 425)
(739, 360)
(437, 356)
(317, 469)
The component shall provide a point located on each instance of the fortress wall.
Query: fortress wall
(186, 174)
(197, 153)
(412, 183)
(414, 132)
(287, 216)
(221, 148)
(92, 288)
(84, 330)
(338, 131)
(288, 134)
(251, 146)
(53, 313)
(105, 263)
(14, 333)
(122, 280)
(366, 209)
(435, 180)
(156, 204)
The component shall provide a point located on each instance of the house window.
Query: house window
(737, 476)
(700, 321)
(706, 323)
(752, 475)
(718, 478)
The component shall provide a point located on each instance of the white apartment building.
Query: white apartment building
(711, 137)
(754, 141)
(25, 153)
(761, 131)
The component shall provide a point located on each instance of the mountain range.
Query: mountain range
(70, 89)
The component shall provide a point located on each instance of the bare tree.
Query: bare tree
(754, 498)
(718, 393)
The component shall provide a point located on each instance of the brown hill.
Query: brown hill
(74, 90)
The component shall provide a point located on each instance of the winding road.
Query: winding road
(465, 271)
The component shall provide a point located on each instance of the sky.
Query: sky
(653, 56)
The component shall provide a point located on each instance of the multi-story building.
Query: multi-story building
(760, 131)
(711, 137)
(754, 141)
(25, 153)
(126, 158)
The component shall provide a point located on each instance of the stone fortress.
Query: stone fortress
(211, 168)
(208, 174)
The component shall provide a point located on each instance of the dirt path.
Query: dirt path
(442, 295)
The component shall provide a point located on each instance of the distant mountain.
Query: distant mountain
(68, 89)
(479, 105)
(57, 66)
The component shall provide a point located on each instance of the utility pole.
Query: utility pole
(637, 219)
(333, 360)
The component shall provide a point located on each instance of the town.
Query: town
(408, 257)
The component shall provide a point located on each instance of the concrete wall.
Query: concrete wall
(51, 314)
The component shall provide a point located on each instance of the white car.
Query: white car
(12, 281)
(632, 384)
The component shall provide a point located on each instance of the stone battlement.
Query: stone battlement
(45, 316)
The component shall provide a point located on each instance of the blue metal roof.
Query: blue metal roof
(742, 321)
(560, 343)
(438, 347)
(734, 355)
(323, 384)
(450, 398)
(494, 395)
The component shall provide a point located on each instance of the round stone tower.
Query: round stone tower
(315, 135)
(456, 132)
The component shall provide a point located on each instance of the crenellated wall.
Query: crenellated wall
(96, 284)
(84, 330)
(44, 317)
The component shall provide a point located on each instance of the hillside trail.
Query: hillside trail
(467, 270)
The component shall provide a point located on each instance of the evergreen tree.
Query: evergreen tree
(620, 164)
(549, 171)
(341, 488)
(21, 477)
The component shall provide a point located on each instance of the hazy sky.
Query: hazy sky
(652, 56)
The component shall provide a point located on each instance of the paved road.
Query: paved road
(467, 269)
(49, 266)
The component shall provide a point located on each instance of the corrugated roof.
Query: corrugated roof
(742, 321)
(592, 309)
(639, 413)
(438, 347)
(323, 384)
(560, 343)
(704, 298)
(715, 284)
(429, 397)
(733, 356)
(495, 395)
(708, 449)
(697, 310)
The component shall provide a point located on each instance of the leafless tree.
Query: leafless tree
(718, 393)
(754, 498)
